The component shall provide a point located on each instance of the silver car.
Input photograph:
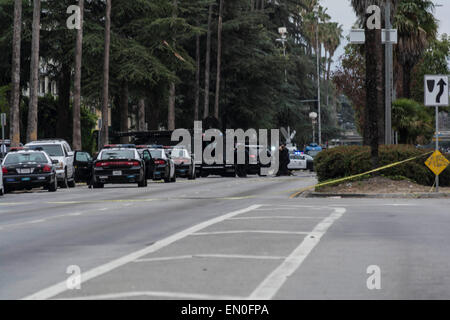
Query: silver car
(60, 150)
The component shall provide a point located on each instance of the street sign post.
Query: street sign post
(436, 95)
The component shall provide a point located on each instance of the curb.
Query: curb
(376, 195)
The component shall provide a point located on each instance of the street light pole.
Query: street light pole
(389, 75)
(318, 81)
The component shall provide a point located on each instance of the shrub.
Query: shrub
(351, 160)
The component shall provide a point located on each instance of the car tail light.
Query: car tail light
(47, 168)
(101, 164)
(160, 162)
(4, 170)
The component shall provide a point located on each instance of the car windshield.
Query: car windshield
(156, 153)
(16, 158)
(117, 154)
(53, 150)
(179, 153)
(296, 157)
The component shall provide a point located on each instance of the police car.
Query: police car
(119, 164)
(300, 161)
(28, 169)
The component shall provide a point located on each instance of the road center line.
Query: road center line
(98, 271)
(274, 281)
(274, 217)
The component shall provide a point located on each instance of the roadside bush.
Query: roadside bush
(350, 160)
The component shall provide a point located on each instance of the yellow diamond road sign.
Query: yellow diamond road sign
(437, 163)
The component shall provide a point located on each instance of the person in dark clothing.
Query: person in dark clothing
(284, 161)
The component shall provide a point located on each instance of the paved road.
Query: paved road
(219, 238)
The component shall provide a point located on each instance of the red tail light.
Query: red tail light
(4, 170)
(47, 168)
(252, 156)
(160, 162)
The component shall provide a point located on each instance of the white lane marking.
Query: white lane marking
(162, 294)
(246, 231)
(274, 281)
(220, 256)
(36, 221)
(275, 217)
(102, 209)
(93, 273)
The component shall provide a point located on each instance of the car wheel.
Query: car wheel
(174, 179)
(53, 186)
(72, 183)
(65, 183)
(2, 191)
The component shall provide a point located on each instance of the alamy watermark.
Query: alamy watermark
(230, 149)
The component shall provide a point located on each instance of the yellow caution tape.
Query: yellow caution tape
(296, 194)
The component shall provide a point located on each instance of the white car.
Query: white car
(60, 150)
(298, 162)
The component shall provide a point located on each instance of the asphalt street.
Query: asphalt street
(221, 238)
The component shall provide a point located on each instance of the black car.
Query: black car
(163, 165)
(183, 161)
(28, 169)
(117, 165)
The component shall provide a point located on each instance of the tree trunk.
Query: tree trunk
(197, 78)
(172, 89)
(105, 124)
(208, 64)
(374, 89)
(34, 74)
(219, 60)
(141, 115)
(124, 111)
(63, 102)
(171, 113)
(15, 76)
(76, 142)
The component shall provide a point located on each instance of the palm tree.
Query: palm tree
(15, 75)
(77, 82)
(416, 28)
(105, 114)
(34, 74)
(374, 92)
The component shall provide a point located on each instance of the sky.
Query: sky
(342, 12)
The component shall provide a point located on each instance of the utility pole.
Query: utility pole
(318, 82)
(389, 75)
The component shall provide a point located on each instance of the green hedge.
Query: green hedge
(351, 160)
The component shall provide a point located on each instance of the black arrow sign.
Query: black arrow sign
(441, 84)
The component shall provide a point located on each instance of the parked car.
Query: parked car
(118, 165)
(28, 169)
(300, 161)
(184, 162)
(163, 165)
(60, 150)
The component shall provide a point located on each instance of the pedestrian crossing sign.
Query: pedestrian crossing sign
(437, 162)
